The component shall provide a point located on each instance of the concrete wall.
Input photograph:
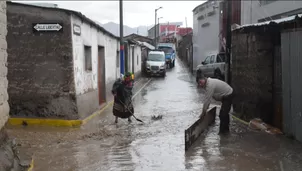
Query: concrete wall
(40, 65)
(137, 60)
(4, 107)
(86, 82)
(252, 11)
(134, 62)
(205, 38)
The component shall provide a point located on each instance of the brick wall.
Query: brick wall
(4, 108)
(40, 65)
(252, 57)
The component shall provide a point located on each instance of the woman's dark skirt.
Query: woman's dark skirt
(122, 111)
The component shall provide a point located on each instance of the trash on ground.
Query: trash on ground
(258, 124)
(158, 117)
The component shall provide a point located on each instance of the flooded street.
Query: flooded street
(157, 145)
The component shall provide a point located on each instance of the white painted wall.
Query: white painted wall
(205, 39)
(137, 59)
(252, 11)
(85, 80)
(4, 107)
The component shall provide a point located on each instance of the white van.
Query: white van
(156, 63)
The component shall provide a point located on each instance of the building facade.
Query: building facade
(133, 57)
(205, 31)
(266, 64)
(264, 10)
(163, 29)
(66, 66)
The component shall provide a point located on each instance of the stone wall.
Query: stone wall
(40, 65)
(8, 154)
(252, 74)
(4, 108)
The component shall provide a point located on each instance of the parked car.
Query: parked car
(156, 64)
(169, 49)
(213, 66)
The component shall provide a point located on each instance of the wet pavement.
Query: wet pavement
(157, 145)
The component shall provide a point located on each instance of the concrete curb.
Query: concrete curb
(31, 166)
(62, 122)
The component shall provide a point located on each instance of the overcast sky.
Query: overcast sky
(136, 13)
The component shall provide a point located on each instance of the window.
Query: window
(212, 59)
(220, 58)
(88, 58)
(167, 50)
(207, 60)
(211, 13)
(137, 59)
(117, 59)
(205, 24)
(156, 57)
(200, 17)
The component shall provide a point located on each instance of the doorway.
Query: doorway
(101, 75)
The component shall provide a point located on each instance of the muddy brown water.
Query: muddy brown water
(157, 145)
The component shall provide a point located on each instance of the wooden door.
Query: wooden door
(101, 75)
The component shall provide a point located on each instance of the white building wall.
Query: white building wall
(205, 39)
(86, 80)
(252, 11)
(195, 39)
(4, 107)
(135, 61)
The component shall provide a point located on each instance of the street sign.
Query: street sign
(195, 130)
(76, 29)
(42, 27)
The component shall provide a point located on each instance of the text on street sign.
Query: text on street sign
(48, 27)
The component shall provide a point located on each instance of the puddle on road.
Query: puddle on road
(157, 145)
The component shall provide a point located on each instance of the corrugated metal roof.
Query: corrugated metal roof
(278, 21)
(146, 45)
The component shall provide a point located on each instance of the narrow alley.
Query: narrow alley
(157, 144)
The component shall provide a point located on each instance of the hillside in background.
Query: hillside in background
(114, 28)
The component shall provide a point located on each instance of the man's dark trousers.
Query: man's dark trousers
(224, 113)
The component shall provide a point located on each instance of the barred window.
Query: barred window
(88, 58)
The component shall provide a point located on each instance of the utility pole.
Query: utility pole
(122, 65)
(229, 39)
(186, 26)
(155, 28)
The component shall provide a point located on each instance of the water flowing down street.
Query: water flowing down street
(151, 85)
(157, 144)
